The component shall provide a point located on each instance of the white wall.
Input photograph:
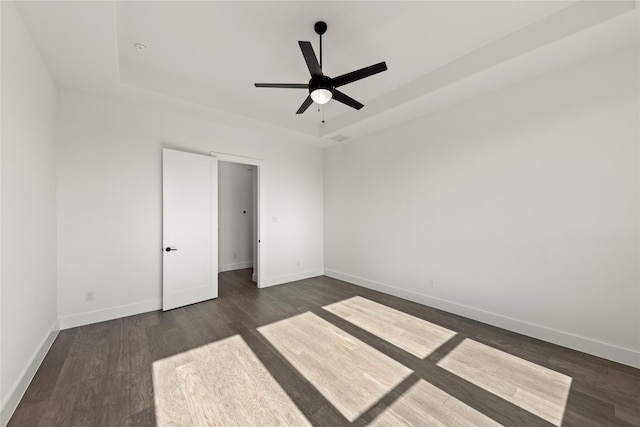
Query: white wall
(109, 202)
(28, 245)
(235, 215)
(522, 206)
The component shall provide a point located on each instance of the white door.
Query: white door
(189, 228)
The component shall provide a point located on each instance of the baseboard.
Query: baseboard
(10, 402)
(96, 316)
(235, 266)
(587, 345)
(279, 280)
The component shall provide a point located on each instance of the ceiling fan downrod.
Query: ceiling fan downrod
(321, 28)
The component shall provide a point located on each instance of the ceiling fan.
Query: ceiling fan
(322, 88)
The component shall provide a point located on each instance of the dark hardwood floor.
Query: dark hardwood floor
(101, 374)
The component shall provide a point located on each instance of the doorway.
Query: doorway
(239, 194)
(237, 217)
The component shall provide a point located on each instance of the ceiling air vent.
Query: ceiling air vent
(339, 138)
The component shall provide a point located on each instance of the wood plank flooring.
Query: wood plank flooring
(229, 375)
(537, 389)
(350, 374)
(424, 404)
(410, 333)
(120, 373)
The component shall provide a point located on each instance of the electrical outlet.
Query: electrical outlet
(298, 264)
(432, 284)
(89, 296)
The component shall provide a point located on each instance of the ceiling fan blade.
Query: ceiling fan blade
(359, 74)
(284, 85)
(347, 100)
(305, 105)
(310, 58)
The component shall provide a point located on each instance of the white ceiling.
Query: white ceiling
(209, 53)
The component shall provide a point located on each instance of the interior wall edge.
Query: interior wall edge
(607, 351)
(12, 399)
(102, 315)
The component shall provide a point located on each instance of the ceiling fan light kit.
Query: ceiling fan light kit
(322, 88)
(321, 96)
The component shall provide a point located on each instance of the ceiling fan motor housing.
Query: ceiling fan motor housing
(320, 82)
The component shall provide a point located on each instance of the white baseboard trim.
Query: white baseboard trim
(96, 316)
(608, 351)
(11, 401)
(279, 280)
(235, 266)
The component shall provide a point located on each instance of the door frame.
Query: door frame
(258, 263)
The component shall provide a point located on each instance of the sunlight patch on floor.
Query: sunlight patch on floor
(414, 335)
(425, 404)
(532, 387)
(220, 384)
(350, 374)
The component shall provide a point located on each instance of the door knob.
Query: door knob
(170, 248)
